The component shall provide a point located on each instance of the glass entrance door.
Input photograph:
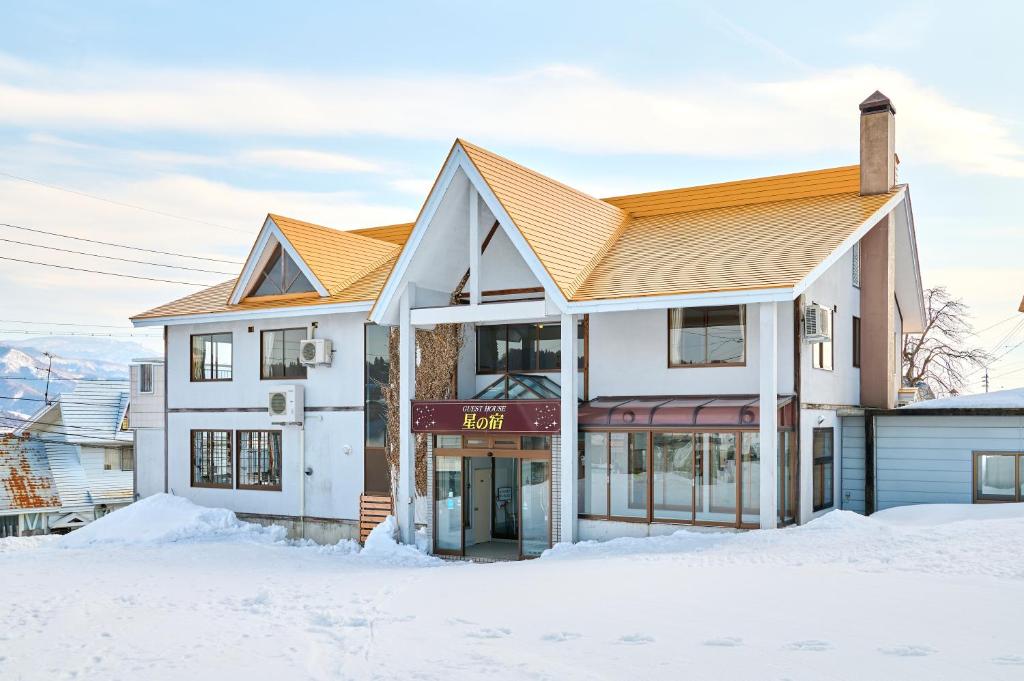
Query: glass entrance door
(535, 493)
(448, 504)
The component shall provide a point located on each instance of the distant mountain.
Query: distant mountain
(23, 387)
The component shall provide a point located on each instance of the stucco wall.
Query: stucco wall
(149, 461)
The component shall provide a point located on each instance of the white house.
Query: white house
(146, 421)
(708, 324)
(88, 449)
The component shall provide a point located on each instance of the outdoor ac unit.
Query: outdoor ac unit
(285, 404)
(817, 323)
(314, 351)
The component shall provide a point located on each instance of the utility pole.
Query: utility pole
(49, 366)
(986, 379)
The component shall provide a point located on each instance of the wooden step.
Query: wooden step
(373, 510)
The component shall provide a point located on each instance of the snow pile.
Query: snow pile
(382, 546)
(164, 518)
(925, 515)
(1001, 399)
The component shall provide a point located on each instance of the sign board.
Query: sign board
(486, 416)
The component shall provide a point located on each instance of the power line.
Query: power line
(109, 274)
(975, 333)
(76, 380)
(98, 334)
(116, 245)
(91, 326)
(121, 203)
(112, 257)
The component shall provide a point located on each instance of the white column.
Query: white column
(567, 480)
(768, 361)
(474, 247)
(406, 492)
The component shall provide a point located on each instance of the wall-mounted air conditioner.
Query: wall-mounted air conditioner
(817, 323)
(285, 404)
(315, 352)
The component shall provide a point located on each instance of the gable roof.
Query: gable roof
(93, 412)
(748, 235)
(26, 482)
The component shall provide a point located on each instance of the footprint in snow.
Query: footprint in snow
(810, 645)
(1016, 660)
(636, 639)
(487, 632)
(724, 642)
(560, 636)
(908, 651)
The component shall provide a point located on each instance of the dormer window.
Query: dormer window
(280, 276)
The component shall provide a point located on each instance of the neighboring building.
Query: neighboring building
(28, 493)
(707, 324)
(146, 421)
(88, 448)
(955, 450)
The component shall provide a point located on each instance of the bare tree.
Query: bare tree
(941, 356)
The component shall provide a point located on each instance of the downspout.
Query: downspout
(302, 480)
(798, 308)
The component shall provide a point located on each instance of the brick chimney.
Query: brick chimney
(879, 368)
(877, 144)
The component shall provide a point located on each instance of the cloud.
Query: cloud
(899, 29)
(305, 159)
(417, 186)
(561, 107)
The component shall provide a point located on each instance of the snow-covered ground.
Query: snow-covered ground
(167, 590)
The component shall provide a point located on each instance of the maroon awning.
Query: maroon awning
(680, 411)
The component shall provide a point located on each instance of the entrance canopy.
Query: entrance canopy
(683, 411)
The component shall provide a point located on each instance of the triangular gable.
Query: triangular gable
(329, 259)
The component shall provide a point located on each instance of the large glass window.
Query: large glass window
(672, 468)
(998, 476)
(750, 460)
(448, 503)
(824, 468)
(211, 458)
(787, 478)
(211, 357)
(376, 368)
(279, 352)
(717, 478)
(259, 459)
(536, 506)
(593, 475)
(281, 275)
(628, 456)
(702, 336)
(511, 348)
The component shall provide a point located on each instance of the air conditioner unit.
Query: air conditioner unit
(315, 351)
(817, 323)
(285, 404)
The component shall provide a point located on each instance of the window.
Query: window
(145, 378)
(279, 353)
(211, 357)
(856, 342)
(628, 475)
(705, 336)
(998, 476)
(856, 264)
(211, 458)
(280, 276)
(824, 468)
(376, 370)
(672, 471)
(511, 348)
(127, 459)
(259, 460)
(112, 458)
(822, 353)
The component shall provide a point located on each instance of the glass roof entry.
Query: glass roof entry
(520, 387)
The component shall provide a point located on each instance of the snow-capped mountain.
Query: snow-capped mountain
(23, 369)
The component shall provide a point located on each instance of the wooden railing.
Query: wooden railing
(372, 512)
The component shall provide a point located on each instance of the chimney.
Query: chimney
(877, 145)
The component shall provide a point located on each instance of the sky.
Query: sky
(177, 126)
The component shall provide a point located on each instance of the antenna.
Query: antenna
(49, 365)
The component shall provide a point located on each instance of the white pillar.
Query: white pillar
(406, 492)
(768, 361)
(474, 247)
(567, 479)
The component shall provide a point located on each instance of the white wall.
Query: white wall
(809, 420)
(629, 356)
(337, 481)
(841, 385)
(149, 461)
(147, 409)
(501, 265)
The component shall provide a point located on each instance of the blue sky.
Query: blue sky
(341, 114)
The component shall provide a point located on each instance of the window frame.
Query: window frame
(192, 458)
(142, 367)
(238, 460)
(581, 337)
(1018, 460)
(305, 369)
(815, 459)
(191, 367)
(856, 349)
(818, 349)
(706, 365)
(131, 458)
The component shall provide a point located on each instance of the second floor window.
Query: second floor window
(211, 357)
(706, 336)
(511, 348)
(279, 353)
(145, 378)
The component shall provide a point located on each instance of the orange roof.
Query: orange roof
(763, 233)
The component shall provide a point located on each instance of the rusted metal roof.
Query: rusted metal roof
(26, 482)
